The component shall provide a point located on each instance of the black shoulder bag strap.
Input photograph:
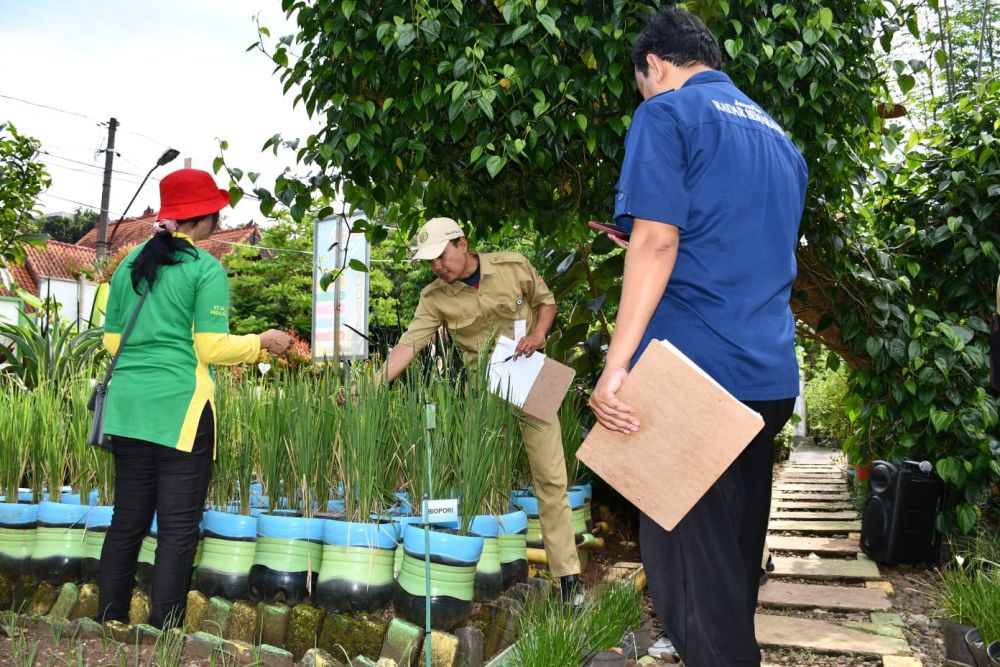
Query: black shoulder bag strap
(98, 396)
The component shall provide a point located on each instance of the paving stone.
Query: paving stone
(810, 505)
(900, 661)
(811, 488)
(823, 636)
(42, 599)
(272, 656)
(242, 651)
(444, 649)
(304, 624)
(814, 526)
(352, 634)
(53, 626)
(202, 645)
(542, 586)
(402, 643)
(882, 585)
(216, 618)
(877, 629)
(139, 608)
(272, 623)
(887, 618)
(65, 601)
(470, 646)
(362, 661)
(88, 628)
(817, 545)
(86, 603)
(386, 662)
(830, 496)
(317, 657)
(242, 623)
(521, 592)
(824, 568)
(810, 596)
(786, 515)
(503, 631)
(197, 603)
(122, 632)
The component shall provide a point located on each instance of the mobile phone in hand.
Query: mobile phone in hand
(609, 229)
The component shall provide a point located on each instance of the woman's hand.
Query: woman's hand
(611, 412)
(276, 342)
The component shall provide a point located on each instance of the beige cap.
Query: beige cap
(433, 237)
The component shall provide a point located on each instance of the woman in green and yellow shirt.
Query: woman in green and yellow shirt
(160, 415)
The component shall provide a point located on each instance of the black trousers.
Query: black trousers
(152, 478)
(703, 575)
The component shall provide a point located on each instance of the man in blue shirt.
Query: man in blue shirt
(712, 191)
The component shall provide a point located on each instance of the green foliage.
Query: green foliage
(273, 289)
(69, 228)
(553, 634)
(970, 595)
(22, 179)
(826, 396)
(920, 275)
(43, 352)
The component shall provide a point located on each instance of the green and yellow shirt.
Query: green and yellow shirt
(161, 383)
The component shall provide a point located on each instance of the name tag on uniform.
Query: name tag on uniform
(520, 330)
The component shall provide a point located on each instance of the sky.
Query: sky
(174, 73)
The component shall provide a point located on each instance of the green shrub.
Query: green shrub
(826, 412)
(970, 594)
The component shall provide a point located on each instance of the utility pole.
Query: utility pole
(102, 221)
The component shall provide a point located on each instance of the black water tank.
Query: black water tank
(898, 521)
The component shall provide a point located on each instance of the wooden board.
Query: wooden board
(809, 505)
(823, 636)
(825, 568)
(545, 397)
(691, 430)
(814, 516)
(837, 546)
(810, 488)
(792, 526)
(809, 596)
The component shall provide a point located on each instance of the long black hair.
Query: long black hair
(163, 250)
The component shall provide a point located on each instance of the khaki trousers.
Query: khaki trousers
(543, 443)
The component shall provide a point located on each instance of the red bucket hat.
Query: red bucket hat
(190, 193)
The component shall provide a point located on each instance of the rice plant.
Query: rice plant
(15, 459)
(572, 425)
(311, 425)
(364, 451)
(228, 430)
(483, 429)
(269, 424)
(48, 438)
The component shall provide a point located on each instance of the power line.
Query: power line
(94, 166)
(51, 108)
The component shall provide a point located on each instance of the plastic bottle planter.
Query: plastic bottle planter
(453, 573)
(399, 524)
(578, 507)
(356, 570)
(147, 556)
(227, 555)
(57, 556)
(287, 558)
(529, 505)
(513, 548)
(18, 525)
(98, 521)
(588, 495)
(489, 578)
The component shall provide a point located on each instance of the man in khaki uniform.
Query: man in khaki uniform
(476, 295)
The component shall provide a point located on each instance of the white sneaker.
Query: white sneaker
(663, 649)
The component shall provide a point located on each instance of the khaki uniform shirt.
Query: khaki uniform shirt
(509, 290)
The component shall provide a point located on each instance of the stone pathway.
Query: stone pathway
(820, 571)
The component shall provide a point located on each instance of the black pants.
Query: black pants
(703, 575)
(152, 478)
